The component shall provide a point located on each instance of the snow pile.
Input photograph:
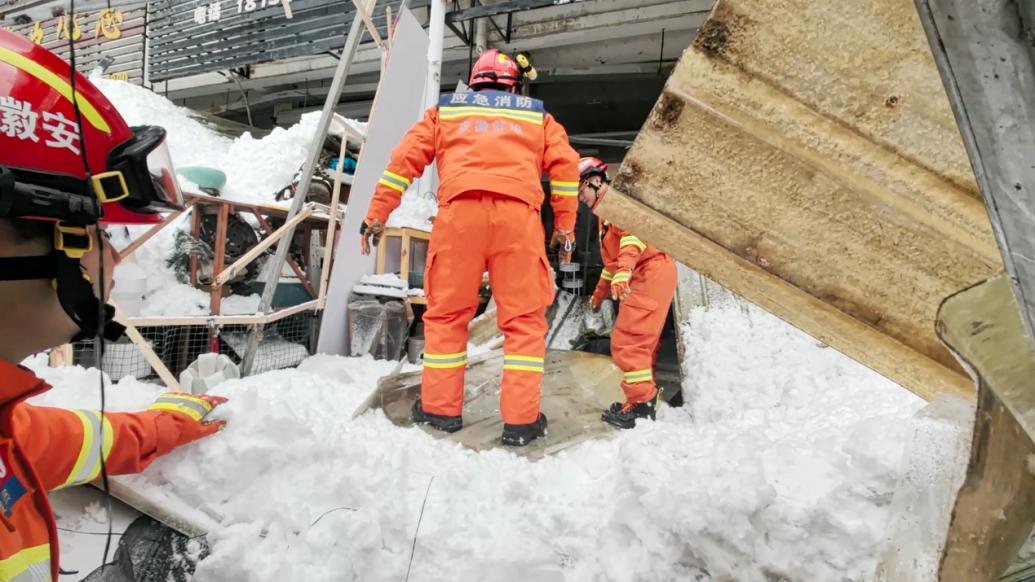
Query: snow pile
(387, 285)
(255, 168)
(417, 210)
(781, 466)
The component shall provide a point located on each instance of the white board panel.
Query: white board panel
(397, 106)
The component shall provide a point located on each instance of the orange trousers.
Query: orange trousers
(476, 230)
(641, 319)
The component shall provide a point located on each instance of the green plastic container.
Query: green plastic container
(206, 178)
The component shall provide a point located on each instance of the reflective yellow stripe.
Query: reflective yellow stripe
(28, 565)
(631, 241)
(58, 84)
(621, 277)
(450, 110)
(606, 275)
(525, 358)
(564, 188)
(638, 376)
(192, 406)
(391, 185)
(459, 112)
(395, 176)
(87, 466)
(523, 363)
(442, 361)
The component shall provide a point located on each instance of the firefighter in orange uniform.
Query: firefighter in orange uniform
(491, 146)
(56, 186)
(644, 280)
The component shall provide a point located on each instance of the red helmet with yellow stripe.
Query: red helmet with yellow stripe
(68, 157)
(52, 170)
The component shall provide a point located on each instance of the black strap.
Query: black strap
(27, 268)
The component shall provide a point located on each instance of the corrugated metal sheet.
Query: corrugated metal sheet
(128, 23)
(185, 40)
(819, 174)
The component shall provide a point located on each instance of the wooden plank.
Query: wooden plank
(152, 358)
(195, 233)
(140, 240)
(328, 244)
(254, 252)
(365, 15)
(61, 356)
(295, 268)
(396, 107)
(261, 318)
(216, 291)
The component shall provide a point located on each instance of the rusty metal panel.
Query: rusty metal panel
(804, 155)
(117, 33)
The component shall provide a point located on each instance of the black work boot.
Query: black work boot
(625, 415)
(519, 435)
(437, 421)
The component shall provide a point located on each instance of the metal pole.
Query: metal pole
(436, 34)
(348, 53)
(432, 84)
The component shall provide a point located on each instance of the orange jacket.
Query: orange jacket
(42, 449)
(485, 140)
(622, 251)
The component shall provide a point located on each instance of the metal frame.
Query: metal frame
(460, 16)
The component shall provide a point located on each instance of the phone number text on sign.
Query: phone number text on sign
(213, 11)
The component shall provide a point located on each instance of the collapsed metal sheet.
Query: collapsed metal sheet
(989, 75)
(803, 154)
(576, 387)
(995, 508)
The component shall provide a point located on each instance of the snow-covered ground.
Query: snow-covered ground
(781, 466)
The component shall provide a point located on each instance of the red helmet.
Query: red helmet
(592, 167)
(50, 170)
(494, 67)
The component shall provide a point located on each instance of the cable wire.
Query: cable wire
(99, 342)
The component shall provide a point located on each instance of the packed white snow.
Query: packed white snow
(255, 168)
(781, 466)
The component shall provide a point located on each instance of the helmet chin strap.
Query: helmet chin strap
(75, 293)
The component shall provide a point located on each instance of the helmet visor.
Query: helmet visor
(147, 167)
(167, 192)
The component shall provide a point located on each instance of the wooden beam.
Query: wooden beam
(216, 290)
(290, 261)
(149, 354)
(328, 247)
(264, 244)
(61, 356)
(262, 318)
(364, 13)
(140, 240)
(195, 233)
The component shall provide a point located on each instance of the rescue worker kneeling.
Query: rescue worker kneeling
(56, 269)
(491, 146)
(644, 280)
